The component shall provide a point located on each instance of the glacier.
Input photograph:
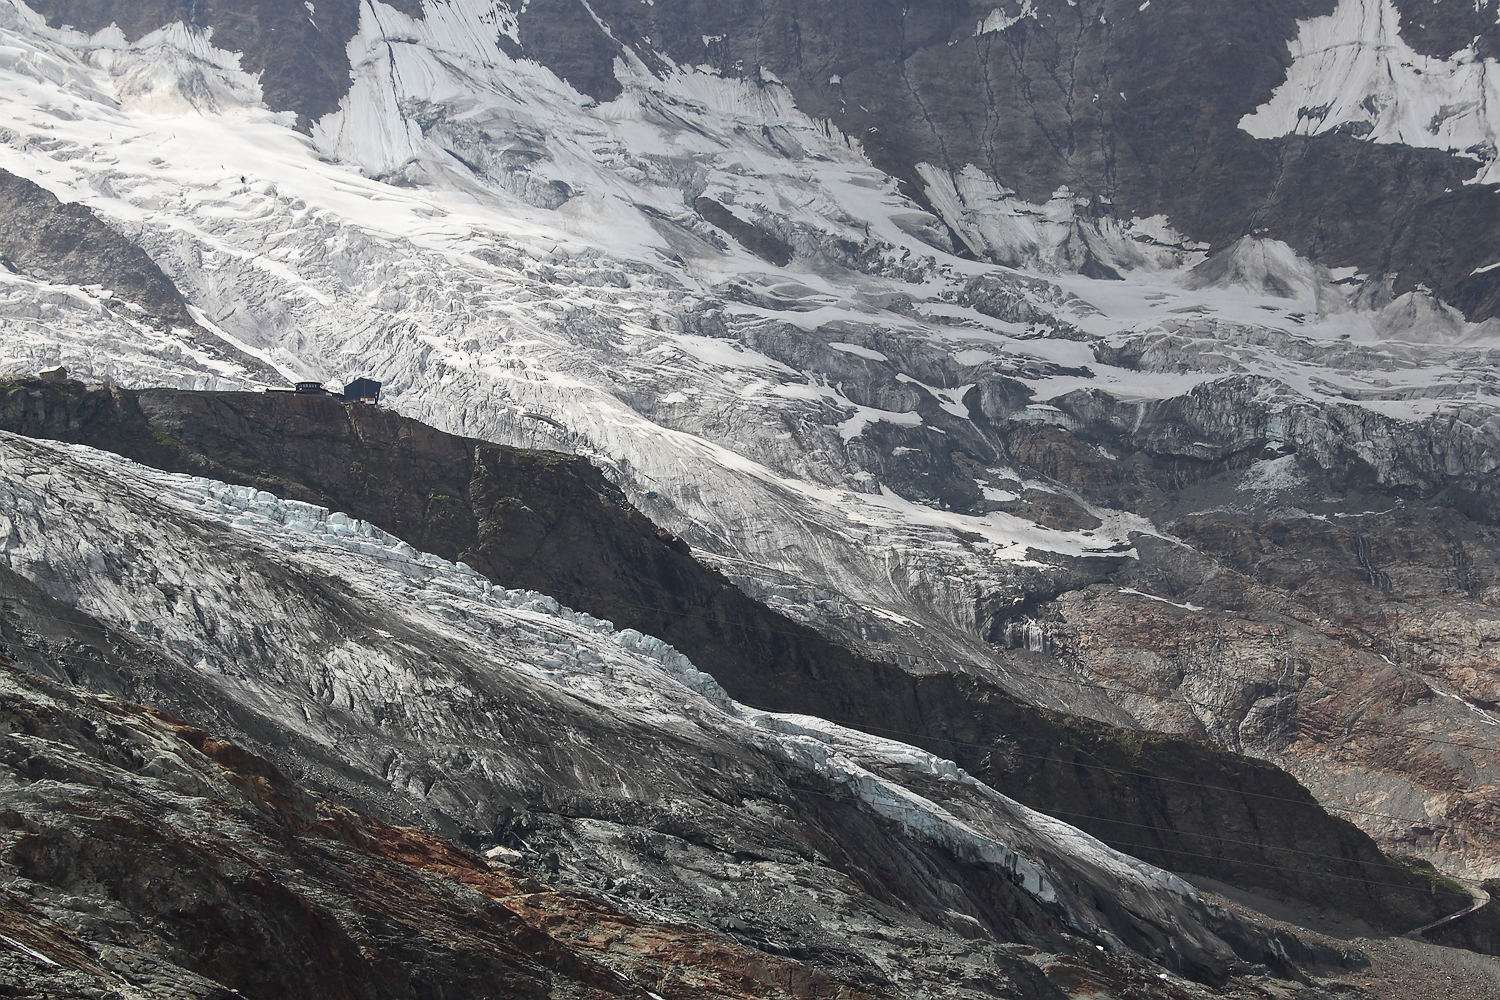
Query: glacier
(522, 263)
(415, 692)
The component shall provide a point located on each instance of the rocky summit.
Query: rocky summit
(567, 498)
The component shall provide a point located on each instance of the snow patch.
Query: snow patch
(864, 416)
(1163, 600)
(1352, 72)
(857, 351)
(998, 20)
(1271, 476)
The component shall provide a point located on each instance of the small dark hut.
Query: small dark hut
(362, 390)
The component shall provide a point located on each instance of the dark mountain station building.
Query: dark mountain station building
(362, 390)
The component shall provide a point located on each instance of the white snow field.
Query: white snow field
(521, 263)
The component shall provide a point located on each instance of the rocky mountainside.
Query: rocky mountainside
(149, 858)
(551, 524)
(1098, 395)
(540, 735)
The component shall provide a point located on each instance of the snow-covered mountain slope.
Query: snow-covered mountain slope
(717, 285)
(726, 386)
(1353, 73)
(414, 685)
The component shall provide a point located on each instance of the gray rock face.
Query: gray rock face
(1441, 30)
(1449, 458)
(1341, 631)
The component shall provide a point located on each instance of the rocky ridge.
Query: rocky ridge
(601, 757)
(550, 523)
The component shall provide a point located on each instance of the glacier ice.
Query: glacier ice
(521, 263)
(1352, 72)
(242, 589)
